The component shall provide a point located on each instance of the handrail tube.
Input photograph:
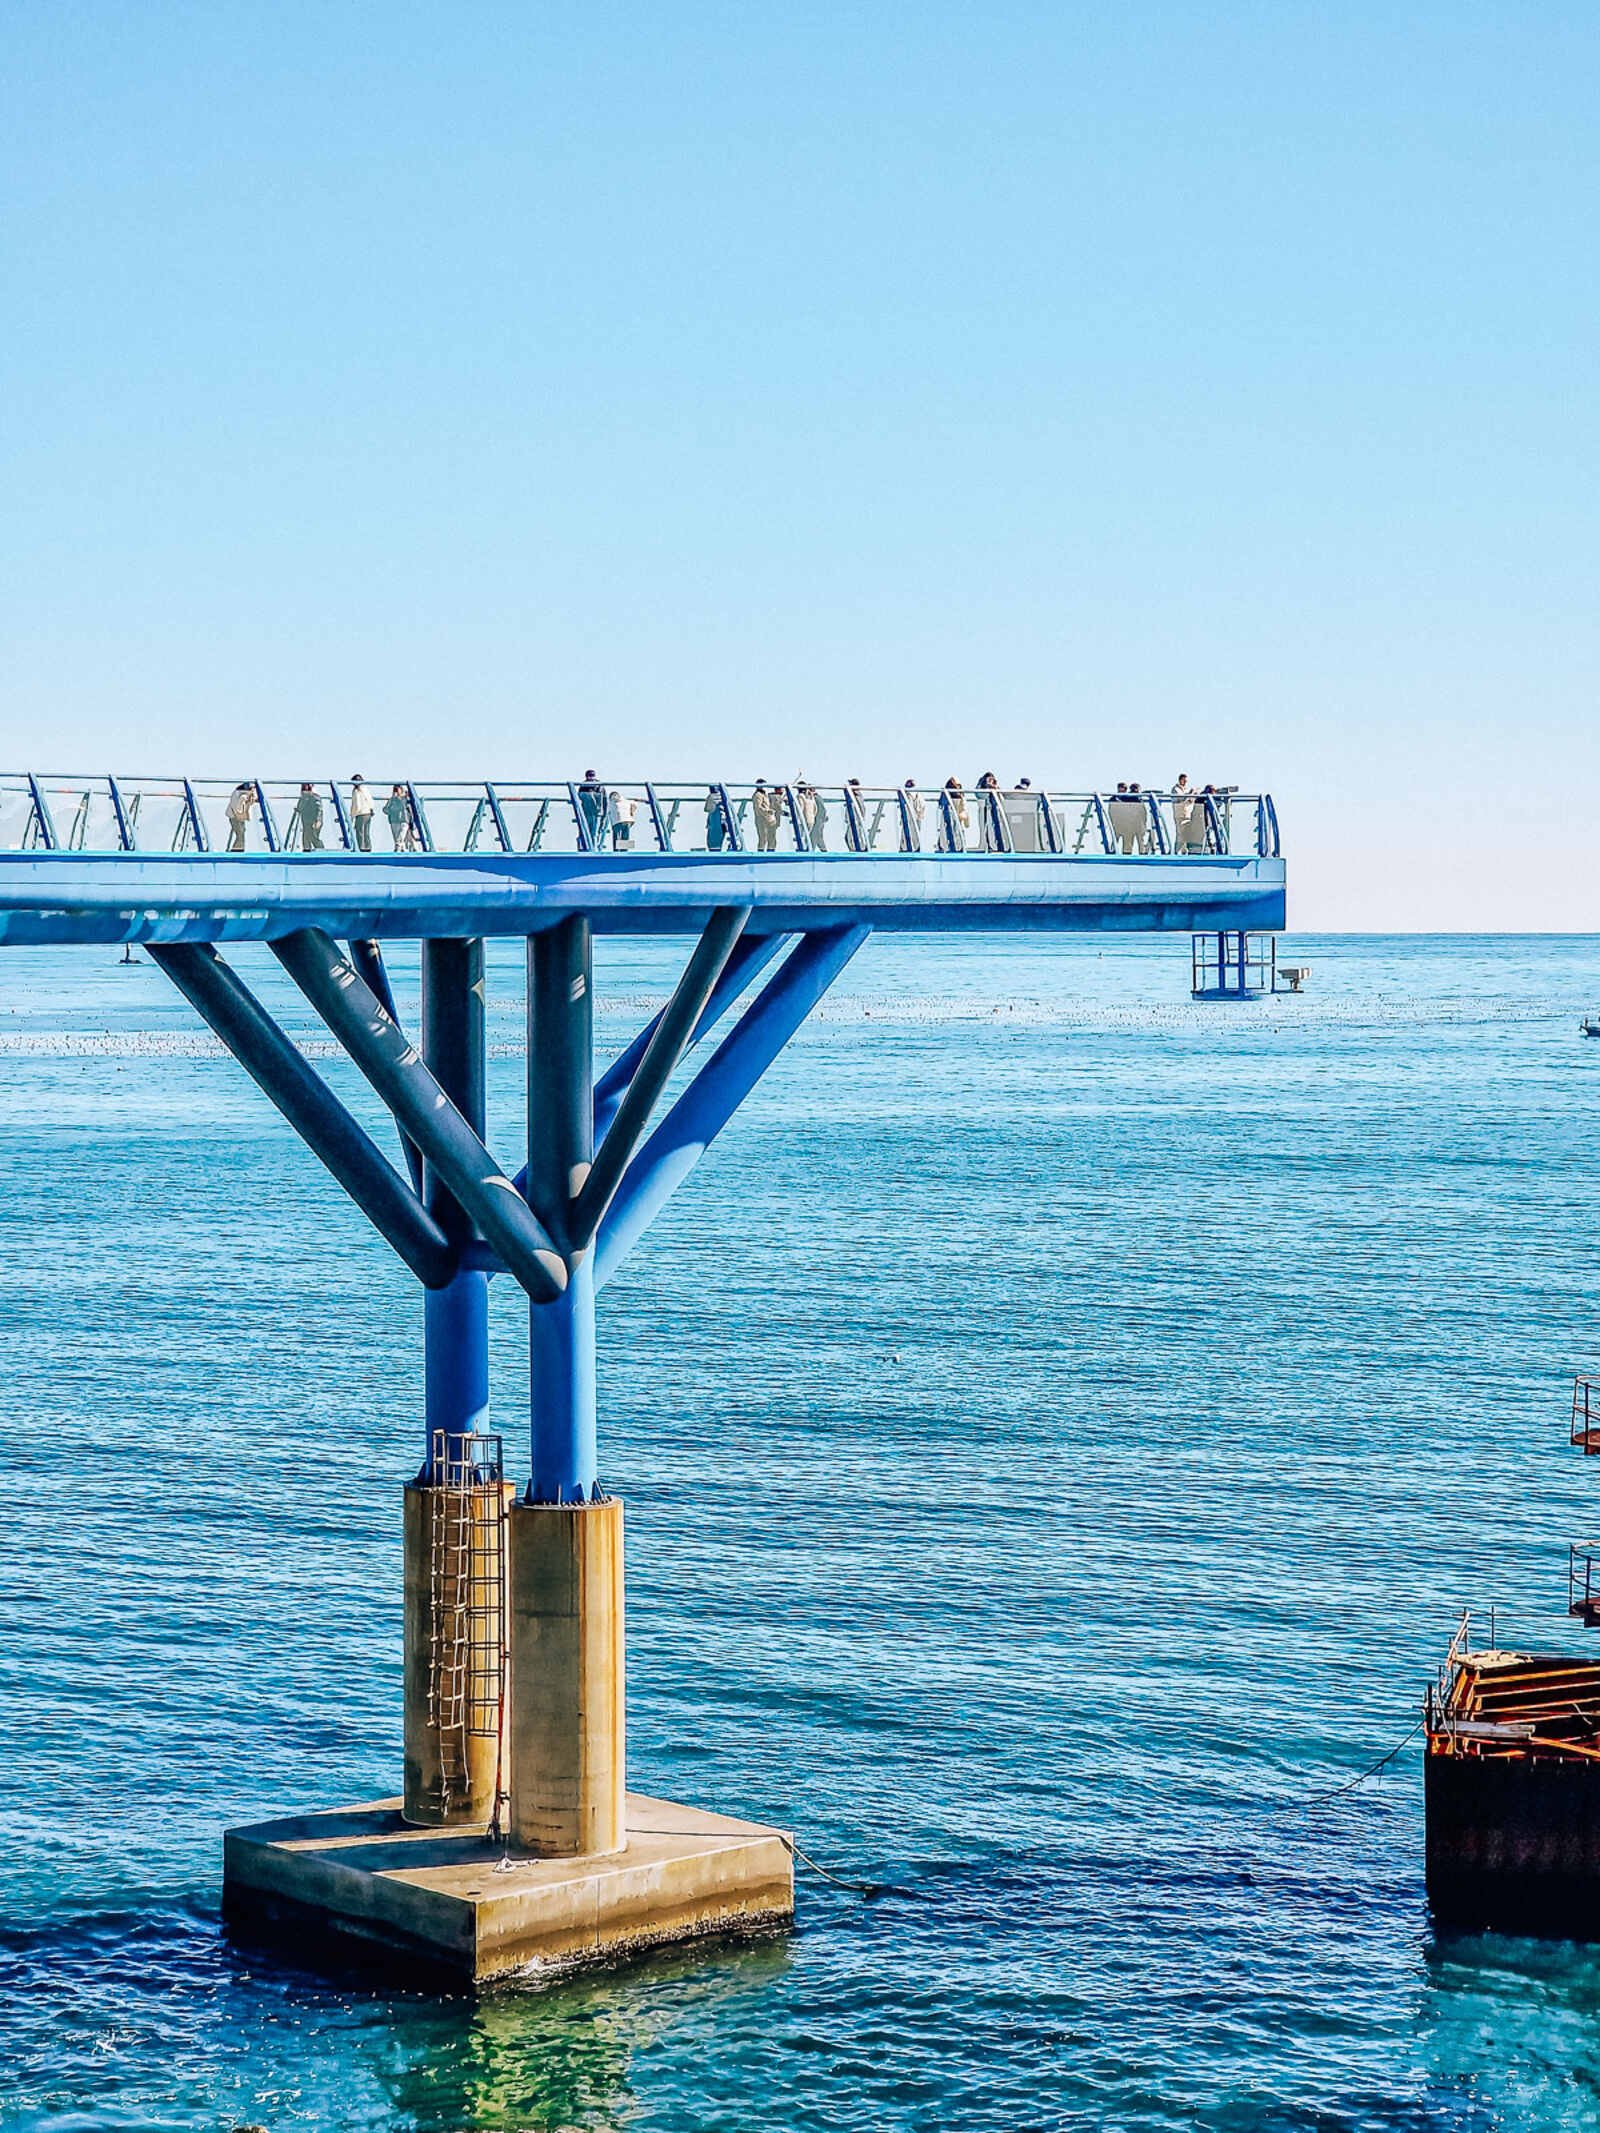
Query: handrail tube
(269, 828)
(735, 839)
(418, 818)
(340, 816)
(499, 815)
(669, 1040)
(716, 1092)
(225, 1003)
(663, 841)
(395, 1068)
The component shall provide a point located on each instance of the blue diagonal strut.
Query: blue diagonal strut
(670, 1037)
(716, 1092)
(395, 1069)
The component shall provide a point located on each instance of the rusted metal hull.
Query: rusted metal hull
(1513, 1845)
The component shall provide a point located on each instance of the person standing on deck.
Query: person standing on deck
(716, 820)
(361, 813)
(308, 819)
(241, 805)
(764, 807)
(916, 808)
(592, 800)
(623, 808)
(397, 813)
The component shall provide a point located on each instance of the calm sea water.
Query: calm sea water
(1060, 1426)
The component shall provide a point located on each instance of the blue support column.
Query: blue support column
(560, 1151)
(455, 1318)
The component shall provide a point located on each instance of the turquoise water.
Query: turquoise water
(1060, 1427)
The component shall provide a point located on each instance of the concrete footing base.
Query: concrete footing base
(358, 1881)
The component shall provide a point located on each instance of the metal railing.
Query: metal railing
(40, 812)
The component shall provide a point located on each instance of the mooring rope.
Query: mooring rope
(1333, 1792)
(867, 1889)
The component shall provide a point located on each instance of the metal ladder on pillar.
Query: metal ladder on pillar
(466, 1572)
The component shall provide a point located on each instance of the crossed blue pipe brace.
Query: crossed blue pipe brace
(596, 1174)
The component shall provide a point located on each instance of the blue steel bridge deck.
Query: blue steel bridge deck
(103, 860)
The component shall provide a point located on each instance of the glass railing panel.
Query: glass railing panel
(693, 817)
(767, 817)
(304, 815)
(19, 829)
(541, 818)
(82, 814)
(157, 811)
(625, 821)
(217, 809)
(458, 818)
(864, 818)
(1080, 825)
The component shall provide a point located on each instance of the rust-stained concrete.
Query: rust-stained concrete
(427, 1800)
(567, 1766)
(361, 1877)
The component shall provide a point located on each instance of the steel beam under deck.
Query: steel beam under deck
(63, 896)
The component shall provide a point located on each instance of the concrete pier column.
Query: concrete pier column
(568, 1761)
(453, 1555)
(455, 1690)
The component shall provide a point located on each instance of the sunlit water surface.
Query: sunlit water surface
(1059, 1427)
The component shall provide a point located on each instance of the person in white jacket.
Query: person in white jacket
(361, 812)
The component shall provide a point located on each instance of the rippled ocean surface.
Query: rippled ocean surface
(1060, 1426)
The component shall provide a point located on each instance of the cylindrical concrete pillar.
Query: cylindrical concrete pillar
(456, 1689)
(567, 1759)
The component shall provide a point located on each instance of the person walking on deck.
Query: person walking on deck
(361, 813)
(716, 819)
(241, 805)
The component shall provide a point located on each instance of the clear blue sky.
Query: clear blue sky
(1086, 392)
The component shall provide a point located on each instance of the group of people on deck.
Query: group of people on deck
(991, 818)
(1131, 816)
(309, 814)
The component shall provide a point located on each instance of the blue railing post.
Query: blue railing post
(561, 1348)
(455, 1318)
(202, 843)
(41, 815)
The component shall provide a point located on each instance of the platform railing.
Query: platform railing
(386, 816)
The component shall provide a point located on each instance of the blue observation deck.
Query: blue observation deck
(115, 859)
